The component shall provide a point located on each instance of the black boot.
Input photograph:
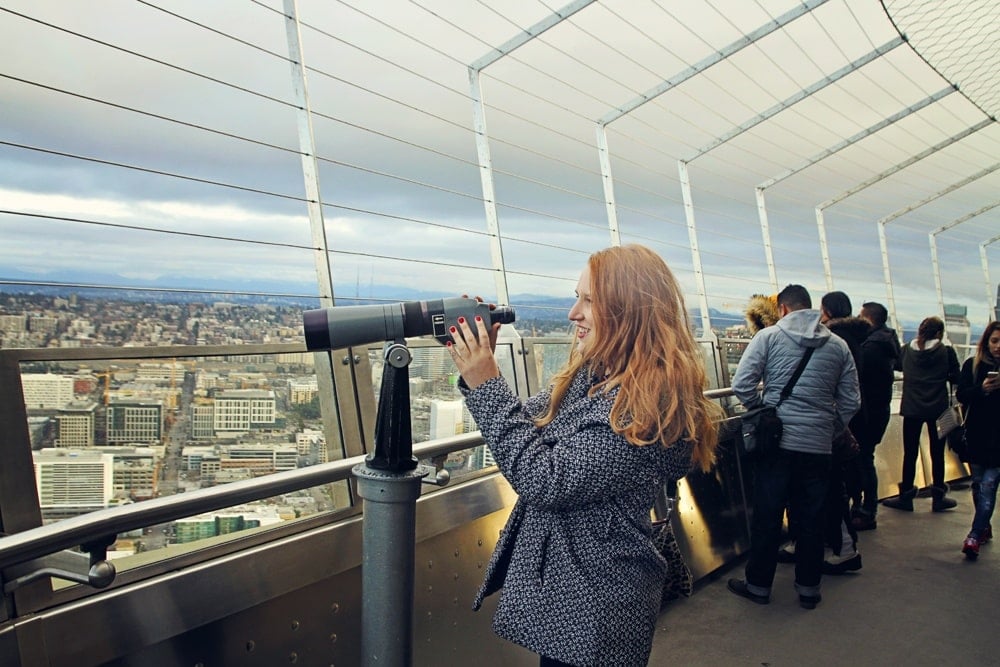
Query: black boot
(904, 501)
(940, 503)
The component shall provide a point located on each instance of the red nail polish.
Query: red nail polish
(478, 318)
(461, 320)
(452, 329)
(448, 344)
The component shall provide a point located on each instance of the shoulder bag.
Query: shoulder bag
(679, 582)
(951, 428)
(761, 428)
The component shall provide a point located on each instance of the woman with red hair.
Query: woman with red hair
(580, 575)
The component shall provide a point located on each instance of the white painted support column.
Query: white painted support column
(489, 193)
(887, 275)
(824, 249)
(991, 298)
(329, 408)
(936, 269)
(765, 232)
(699, 274)
(608, 182)
(310, 166)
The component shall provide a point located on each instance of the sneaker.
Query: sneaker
(970, 548)
(809, 601)
(846, 562)
(739, 587)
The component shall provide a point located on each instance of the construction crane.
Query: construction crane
(107, 385)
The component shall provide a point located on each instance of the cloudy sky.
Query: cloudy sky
(157, 143)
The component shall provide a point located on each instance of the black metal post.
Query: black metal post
(389, 482)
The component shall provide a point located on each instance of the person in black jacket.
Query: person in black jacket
(928, 366)
(979, 394)
(839, 533)
(880, 358)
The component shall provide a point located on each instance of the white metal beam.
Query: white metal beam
(714, 59)
(909, 209)
(800, 95)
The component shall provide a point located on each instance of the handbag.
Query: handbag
(679, 582)
(958, 443)
(956, 437)
(761, 428)
(948, 421)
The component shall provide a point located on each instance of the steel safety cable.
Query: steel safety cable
(157, 61)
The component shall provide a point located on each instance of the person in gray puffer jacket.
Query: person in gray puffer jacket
(797, 476)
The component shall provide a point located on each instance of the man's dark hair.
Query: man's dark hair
(875, 312)
(795, 297)
(836, 304)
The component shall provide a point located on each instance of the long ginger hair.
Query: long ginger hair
(643, 345)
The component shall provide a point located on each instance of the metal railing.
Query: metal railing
(72, 532)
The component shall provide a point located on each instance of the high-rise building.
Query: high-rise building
(134, 421)
(240, 410)
(13, 324)
(302, 390)
(72, 481)
(202, 420)
(284, 457)
(75, 425)
(46, 391)
(135, 470)
(446, 418)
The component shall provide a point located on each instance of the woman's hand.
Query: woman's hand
(990, 384)
(472, 352)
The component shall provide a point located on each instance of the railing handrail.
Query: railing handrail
(72, 532)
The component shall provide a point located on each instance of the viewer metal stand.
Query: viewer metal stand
(389, 482)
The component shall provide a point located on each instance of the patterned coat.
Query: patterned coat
(581, 578)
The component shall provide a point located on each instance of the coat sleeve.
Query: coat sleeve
(582, 465)
(848, 395)
(750, 371)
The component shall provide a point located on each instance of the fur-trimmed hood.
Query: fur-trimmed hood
(762, 311)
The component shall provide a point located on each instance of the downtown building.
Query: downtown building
(133, 421)
(71, 482)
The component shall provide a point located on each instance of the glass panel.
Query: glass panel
(111, 432)
(549, 358)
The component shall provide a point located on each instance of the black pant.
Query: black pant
(837, 507)
(799, 482)
(864, 486)
(911, 449)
